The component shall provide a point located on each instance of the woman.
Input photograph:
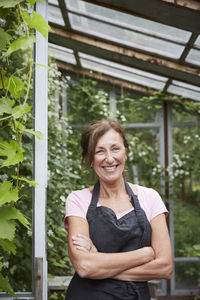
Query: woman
(117, 233)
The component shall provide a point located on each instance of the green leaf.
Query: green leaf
(27, 131)
(9, 3)
(8, 246)
(4, 38)
(7, 194)
(31, 2)
(37, 22)
(38, 134)
(19, 110)
(12, 151)
(31, 182)
(7, 228)
(5, 285)
(6, 105)
(8, 213)
(15, 86)
(22, 43)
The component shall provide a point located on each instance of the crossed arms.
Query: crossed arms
(143, 264)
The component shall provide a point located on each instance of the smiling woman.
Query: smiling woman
(117, 233)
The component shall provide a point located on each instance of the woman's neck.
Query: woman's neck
(112, 190)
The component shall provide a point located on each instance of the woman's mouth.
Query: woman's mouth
(110, 168)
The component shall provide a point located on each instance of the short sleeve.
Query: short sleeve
(77, 204)
(157, 205)
(151, 202)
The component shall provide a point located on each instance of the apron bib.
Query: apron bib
(109, 234)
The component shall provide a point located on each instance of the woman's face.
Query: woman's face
(109, 156)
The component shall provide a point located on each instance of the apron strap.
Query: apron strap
(94, 200)
(141, 216)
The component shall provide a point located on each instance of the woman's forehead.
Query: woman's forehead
(110, 137)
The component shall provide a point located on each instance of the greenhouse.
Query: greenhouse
(64, 64)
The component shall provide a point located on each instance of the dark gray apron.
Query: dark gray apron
(109, 235)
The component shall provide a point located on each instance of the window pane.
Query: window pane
(197, 43)
(184, 90)
(186, 189)
(186, 275)
(122, 72)
(53, 2)
(127, 37)
(62, 54)
(132, 21)
(194, 57)
(55, 16)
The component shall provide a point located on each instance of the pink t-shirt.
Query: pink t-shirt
(77, 203)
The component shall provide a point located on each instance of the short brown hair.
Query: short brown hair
(92, 133)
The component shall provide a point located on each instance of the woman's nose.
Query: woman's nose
(109, 157)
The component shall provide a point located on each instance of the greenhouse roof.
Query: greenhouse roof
(143, 45)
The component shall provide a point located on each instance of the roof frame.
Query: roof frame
(124, 26)
(124, 55)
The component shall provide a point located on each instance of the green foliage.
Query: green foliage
(16, 45)
(13, 151)
(7, 193)
(4, 38)
(37, 22)
(9, 3)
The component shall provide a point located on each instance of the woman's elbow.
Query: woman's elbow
(167, 270)
(83, 268)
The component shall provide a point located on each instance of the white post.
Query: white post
(40, 149)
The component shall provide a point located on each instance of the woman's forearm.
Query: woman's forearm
(106, 265)
(155, 269)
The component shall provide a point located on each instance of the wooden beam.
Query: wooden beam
(38, 276)
(123, 55)
(191, 4)
(165, 12)
(106, 78)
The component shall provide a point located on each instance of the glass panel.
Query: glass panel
(131, 21)
(186, 85)
(187, 275)
(53, 2)
(127, 37)
(197, 43)
(186, 188)
(55, 16)
(62, 54)
(194, 57)
(184, 90)
(144, 155)
(122, 72)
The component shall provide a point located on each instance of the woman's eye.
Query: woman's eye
(115, 149)
(99, 151)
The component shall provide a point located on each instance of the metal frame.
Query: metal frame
(40, 159)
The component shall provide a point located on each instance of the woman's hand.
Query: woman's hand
(83, 243)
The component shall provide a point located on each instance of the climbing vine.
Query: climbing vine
(17, 35)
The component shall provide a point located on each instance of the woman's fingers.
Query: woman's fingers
(83, 243)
